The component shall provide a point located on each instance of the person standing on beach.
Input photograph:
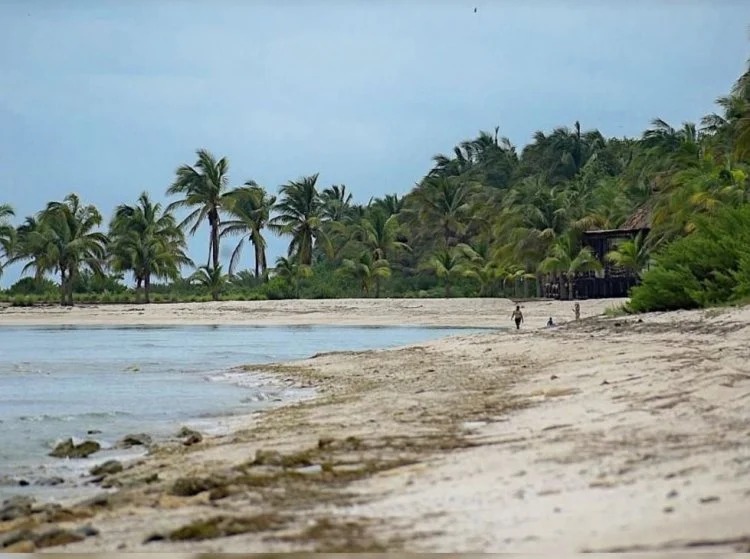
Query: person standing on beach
(517, 316)
(577, 311)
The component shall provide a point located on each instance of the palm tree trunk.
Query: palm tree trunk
(146, 288)
(263, 263)
(447, 289)
(377, 287)
(257, 260)
(71, 279)
(215, 242)
(63, 287)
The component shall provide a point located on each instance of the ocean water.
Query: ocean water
(102, 383)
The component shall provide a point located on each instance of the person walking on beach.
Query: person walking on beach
(577, 310)
(517, 316)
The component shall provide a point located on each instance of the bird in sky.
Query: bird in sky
(475, 10)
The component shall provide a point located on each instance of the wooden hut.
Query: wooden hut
(611, 280)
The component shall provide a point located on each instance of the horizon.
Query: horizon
(100, 94)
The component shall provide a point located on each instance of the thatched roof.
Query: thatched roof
(640, 219)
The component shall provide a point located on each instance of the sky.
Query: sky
(106, 98)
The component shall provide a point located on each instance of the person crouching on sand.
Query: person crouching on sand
(517, 316)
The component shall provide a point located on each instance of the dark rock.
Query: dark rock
(189, 486)
(108, 467)
(23, 482)
(55, 537)
(68, 449)
(155, 538)
(51, 481)
(553, 377)
(186, 432)
(153, 478)
(325, 442)
(136, 439)
(605, 382)
(672, 494)
(93, 432)
(711, 499)
(668, 510)
(189, 436)
(87, 531)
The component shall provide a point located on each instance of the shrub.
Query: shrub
(709, 267)
(30, 286)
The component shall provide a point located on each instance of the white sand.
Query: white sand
(417, 312)
(598, 435)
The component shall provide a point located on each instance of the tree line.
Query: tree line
(487, 219)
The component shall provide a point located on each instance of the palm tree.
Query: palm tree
(567, 257)
(251, 208)
(299, 215)
(377, 233)
(696, 190)
(632, 255)
(671, 148)
(448, 265)
(390, 204)
(147, 241)
(212, 279)
(204, 188)
(7, 233)
(62, 239)
(365, 269)
(443, 203)
(336, 203)
(292, 272)
(28, 247)
(481, 265)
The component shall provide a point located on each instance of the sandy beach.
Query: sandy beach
(605, 434)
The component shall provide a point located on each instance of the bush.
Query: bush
(709, 267)
(276, 288)
(30, 286)
(88, 282)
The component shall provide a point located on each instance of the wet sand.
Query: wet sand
(628, 434)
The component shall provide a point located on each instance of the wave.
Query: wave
(23, 367)
(71, 417)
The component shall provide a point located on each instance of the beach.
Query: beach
(628, 433)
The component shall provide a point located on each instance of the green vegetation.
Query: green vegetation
(486, 220)
(708, 267)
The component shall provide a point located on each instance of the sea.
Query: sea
(102, 383)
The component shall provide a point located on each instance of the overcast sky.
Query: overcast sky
(107, 98)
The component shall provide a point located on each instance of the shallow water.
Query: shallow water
(102, 383)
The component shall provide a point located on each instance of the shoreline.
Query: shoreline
(450, 313)
(607, 434)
